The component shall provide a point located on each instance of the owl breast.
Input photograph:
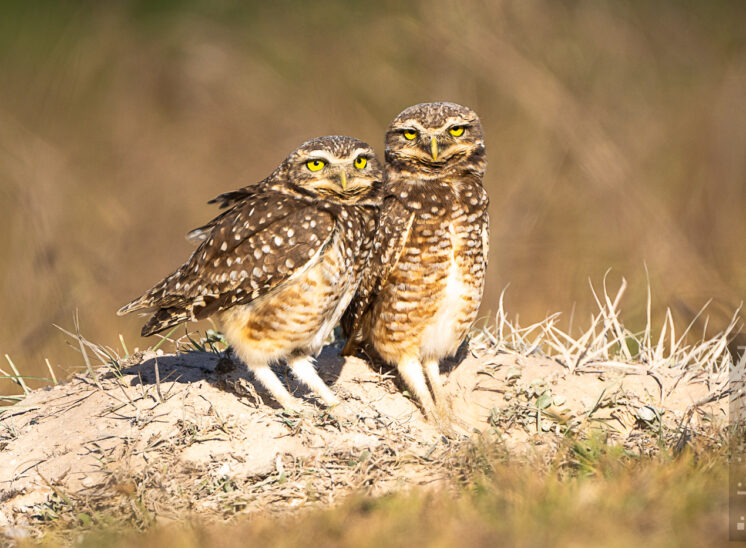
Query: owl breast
(432, 295)
(299, 315)
(458, 301)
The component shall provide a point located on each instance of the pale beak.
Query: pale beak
(434, 148)
(343, 179)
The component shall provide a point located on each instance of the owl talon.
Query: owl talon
(294, 407)
(332, 402)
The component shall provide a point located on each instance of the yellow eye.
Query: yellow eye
(457, 131)
(315, 165)
(361, 162)
(409, 134)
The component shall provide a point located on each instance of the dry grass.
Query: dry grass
(608, 343)
(616, 501)
(605, 344)
(620, 463)
(615, 136)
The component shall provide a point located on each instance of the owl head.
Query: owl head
(336, 168)
(436, 138)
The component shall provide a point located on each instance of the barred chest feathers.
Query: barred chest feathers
(456, 312)
(300, 314)
(435, 289)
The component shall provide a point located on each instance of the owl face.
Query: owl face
(435, 136)
(336, 168)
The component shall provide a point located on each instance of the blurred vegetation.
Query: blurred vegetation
(593, 496)
(615, 131)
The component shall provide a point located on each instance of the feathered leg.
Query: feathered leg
(442, 402)
(270, 381)
(432, 370)
(410, 369)
(304, 370)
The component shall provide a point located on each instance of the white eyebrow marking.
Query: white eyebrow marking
(450, 122)
(456, 121)
(358, 151)
(410, 123)
(320, 155)
(331, 159)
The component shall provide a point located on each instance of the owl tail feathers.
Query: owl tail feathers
(350, 330)
(351, 346)
(163, 319)
(137, 304)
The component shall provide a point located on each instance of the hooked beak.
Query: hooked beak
(343, 179)
(434, 148)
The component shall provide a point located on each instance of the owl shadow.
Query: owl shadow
(446, 365)
(228, 373)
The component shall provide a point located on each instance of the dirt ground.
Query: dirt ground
(164, 435)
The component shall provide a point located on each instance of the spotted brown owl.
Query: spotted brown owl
(281, 264)
(421, 293)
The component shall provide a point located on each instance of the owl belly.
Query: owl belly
(454, 315)
(428, 305)
(297, 316)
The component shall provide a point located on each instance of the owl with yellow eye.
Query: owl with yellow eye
(423, 286)
(281, 264)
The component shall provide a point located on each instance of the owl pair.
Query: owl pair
(398, 256)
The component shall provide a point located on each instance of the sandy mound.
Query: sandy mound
(164, 434)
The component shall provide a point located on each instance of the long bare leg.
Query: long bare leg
(410, 369)
(432, 370)
(442, 403)
(269, 380)
(304, 369)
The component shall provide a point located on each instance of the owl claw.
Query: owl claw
(331, 401)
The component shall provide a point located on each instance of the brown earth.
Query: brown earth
(167, 435)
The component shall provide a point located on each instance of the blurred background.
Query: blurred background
(615, 131)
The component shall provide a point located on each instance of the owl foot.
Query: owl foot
(410, 370)
(274, 386)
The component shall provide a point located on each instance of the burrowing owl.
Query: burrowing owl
(422, 290)
(280, 266)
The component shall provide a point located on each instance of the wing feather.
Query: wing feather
(394, 227)
(251, 249)
(248, 194)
